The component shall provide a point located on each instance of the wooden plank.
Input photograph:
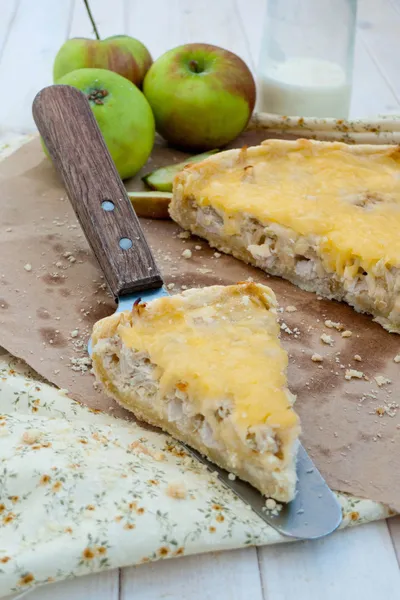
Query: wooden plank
(379, 26)
(109, 18)
(26, 65)
(394, 529)
(8, 12)
(163, 25)
(101, 586)
(232, 575)
(371, 93)
(355, 563)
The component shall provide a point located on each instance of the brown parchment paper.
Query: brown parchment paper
(51, 293)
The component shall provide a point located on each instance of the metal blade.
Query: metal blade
(314, 512)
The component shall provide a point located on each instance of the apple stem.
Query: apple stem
(194, 66)
(89, 12)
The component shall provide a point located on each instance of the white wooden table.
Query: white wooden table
(359, 563)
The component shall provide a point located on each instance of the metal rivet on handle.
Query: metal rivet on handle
(125, 243)
(107, 205)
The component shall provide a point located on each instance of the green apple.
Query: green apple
(202, 96)
(122, 113)
(120, 53)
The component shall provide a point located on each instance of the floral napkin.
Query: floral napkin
(82, 491)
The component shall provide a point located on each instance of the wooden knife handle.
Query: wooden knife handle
(97, 194)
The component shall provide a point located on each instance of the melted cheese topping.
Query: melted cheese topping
(218, 346)
(351, 202)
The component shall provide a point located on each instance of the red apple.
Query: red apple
(202, 96)
(120, 53)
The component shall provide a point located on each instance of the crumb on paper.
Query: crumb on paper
(380, 411)
(184, 235)
(286, 329)
(381, 380)
(217, 255)
(81, 365)
(31, 436)
(176, 490)
(291, 309)
(327, 339)
(334, 325)
(231, 476)
(197, 247)
(347, 333)
(357, 357)
(28, 267)
(204, 271)
(74, 333)
(187, 253)
(317, 358)
(171, 286)
(397, 358)
(353, 374)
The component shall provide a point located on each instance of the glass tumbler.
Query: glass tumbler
(306, 61)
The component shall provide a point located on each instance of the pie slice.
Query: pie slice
(324, 215)
(207, 367)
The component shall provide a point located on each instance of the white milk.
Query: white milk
(307, 87)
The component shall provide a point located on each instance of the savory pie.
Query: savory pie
(207, 367)
(324, 215)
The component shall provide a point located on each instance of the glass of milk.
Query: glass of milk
(306, 60)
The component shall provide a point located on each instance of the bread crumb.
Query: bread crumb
(347, 333)
(217, 255)
(381, 380)
(81, 364)
(171, 286)
(74, 333)
(187, 253)
(177, 491)
(270, 504)
(327, 339)
(353, 374)
(317, 358)
(357, 357)
(204, 271)
(59, 264)
(31, 436)
(28, 267)
(291, 309)
(286, 329)
(184, 235)
(197, 247)
(380, 411)
(334, 325)
(397, 358)
(231, 476)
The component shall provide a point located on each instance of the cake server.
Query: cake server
(98, 196)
